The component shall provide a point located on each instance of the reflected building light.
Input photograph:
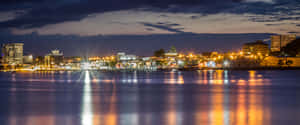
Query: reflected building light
(255, 111)
(171, 113)
(69, 74)
(252, 80)
(252, 74)
(216, 113)
(52, 77)
(219, 79)
(148, 80)
(124, 77)
(241, 113)
(226, 81)
(211, 74)
(87, 77)
(124, 81)
(135, 79)
(52, 80)
(205, 75)
(180, 79)
(13, 77)
(232, 81)
(129, 80)
(171, 79)
(226, 105)
(95, 80)
(129, 119)
(112, 116)
(241, 82)
(107, 81)
(87, 111)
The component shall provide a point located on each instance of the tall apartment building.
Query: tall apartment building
(12, 53)
(279, 41)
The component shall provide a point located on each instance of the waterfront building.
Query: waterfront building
(55, 58)
(125, 61)
(28, 59)
(279, 41)
(171, 58)
(258, 47)
(172, 52)
(122, 56)
(73, 59)
(72, 63)
(12, 53)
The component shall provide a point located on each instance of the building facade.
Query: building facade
(55, 58)
(279, 41)
(258, 47)
(27, 59)
(12, 53)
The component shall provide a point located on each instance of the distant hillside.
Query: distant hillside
(293, 48)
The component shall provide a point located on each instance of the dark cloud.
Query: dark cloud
(43, 12)
(194, 17)
(276, 24)
(19, 1)
(163, 26)
(149, 29)
(294, 32)
(169, 24)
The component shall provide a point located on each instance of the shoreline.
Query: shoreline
(170, 69)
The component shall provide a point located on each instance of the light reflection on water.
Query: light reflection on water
(133, 98)
(87, 110)
(218, 77)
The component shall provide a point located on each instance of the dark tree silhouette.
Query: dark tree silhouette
(159, 53)
(293, 48)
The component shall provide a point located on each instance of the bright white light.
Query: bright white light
(87, 111)
(211, 64)
(86, 66)
(87, 77)
(68, 67)
(226, 63)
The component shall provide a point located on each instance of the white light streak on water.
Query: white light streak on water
(87, 111)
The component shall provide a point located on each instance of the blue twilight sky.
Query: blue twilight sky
(102, 27)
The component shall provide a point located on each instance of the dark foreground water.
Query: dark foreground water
(150, 98)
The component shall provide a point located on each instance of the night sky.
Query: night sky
(104, 27)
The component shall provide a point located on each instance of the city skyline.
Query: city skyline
(282, 52)
(149, 62)
(273, 45)
(100, 27)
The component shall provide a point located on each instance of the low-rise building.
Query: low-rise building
(256, 48)
(28, 59)
(55, 58)
(122, 56)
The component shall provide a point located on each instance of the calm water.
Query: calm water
(150, 98)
